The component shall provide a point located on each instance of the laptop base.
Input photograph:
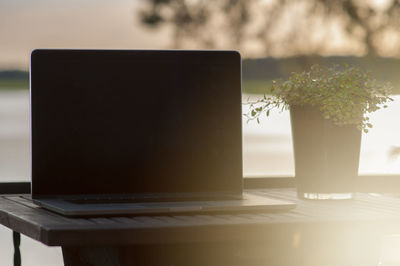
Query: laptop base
(250, 202)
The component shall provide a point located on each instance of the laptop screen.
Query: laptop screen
(123, 121)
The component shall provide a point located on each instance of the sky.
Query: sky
(29, 24)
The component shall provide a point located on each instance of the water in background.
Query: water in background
(267, 150)
(267, 147)
(14, 135)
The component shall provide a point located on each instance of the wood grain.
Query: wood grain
(370, 212)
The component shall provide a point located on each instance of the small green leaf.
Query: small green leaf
(343, 95)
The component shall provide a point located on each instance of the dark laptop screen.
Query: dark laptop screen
(106, 121)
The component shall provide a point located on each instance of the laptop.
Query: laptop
(118, 132)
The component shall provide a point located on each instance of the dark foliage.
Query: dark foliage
(204, 23)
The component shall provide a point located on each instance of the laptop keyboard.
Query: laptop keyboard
(142, 200)
(119, 200)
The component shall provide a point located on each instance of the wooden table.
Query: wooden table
(314, 233)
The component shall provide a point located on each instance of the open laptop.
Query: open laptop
(138, 132)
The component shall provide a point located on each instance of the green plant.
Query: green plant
(345, 96)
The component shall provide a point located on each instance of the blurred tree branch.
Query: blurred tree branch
(296, 26)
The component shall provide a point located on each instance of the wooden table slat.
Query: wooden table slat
(20, 214)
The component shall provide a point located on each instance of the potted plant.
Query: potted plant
(329, 109)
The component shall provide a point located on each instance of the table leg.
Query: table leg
(17, 252)
(91, 256)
